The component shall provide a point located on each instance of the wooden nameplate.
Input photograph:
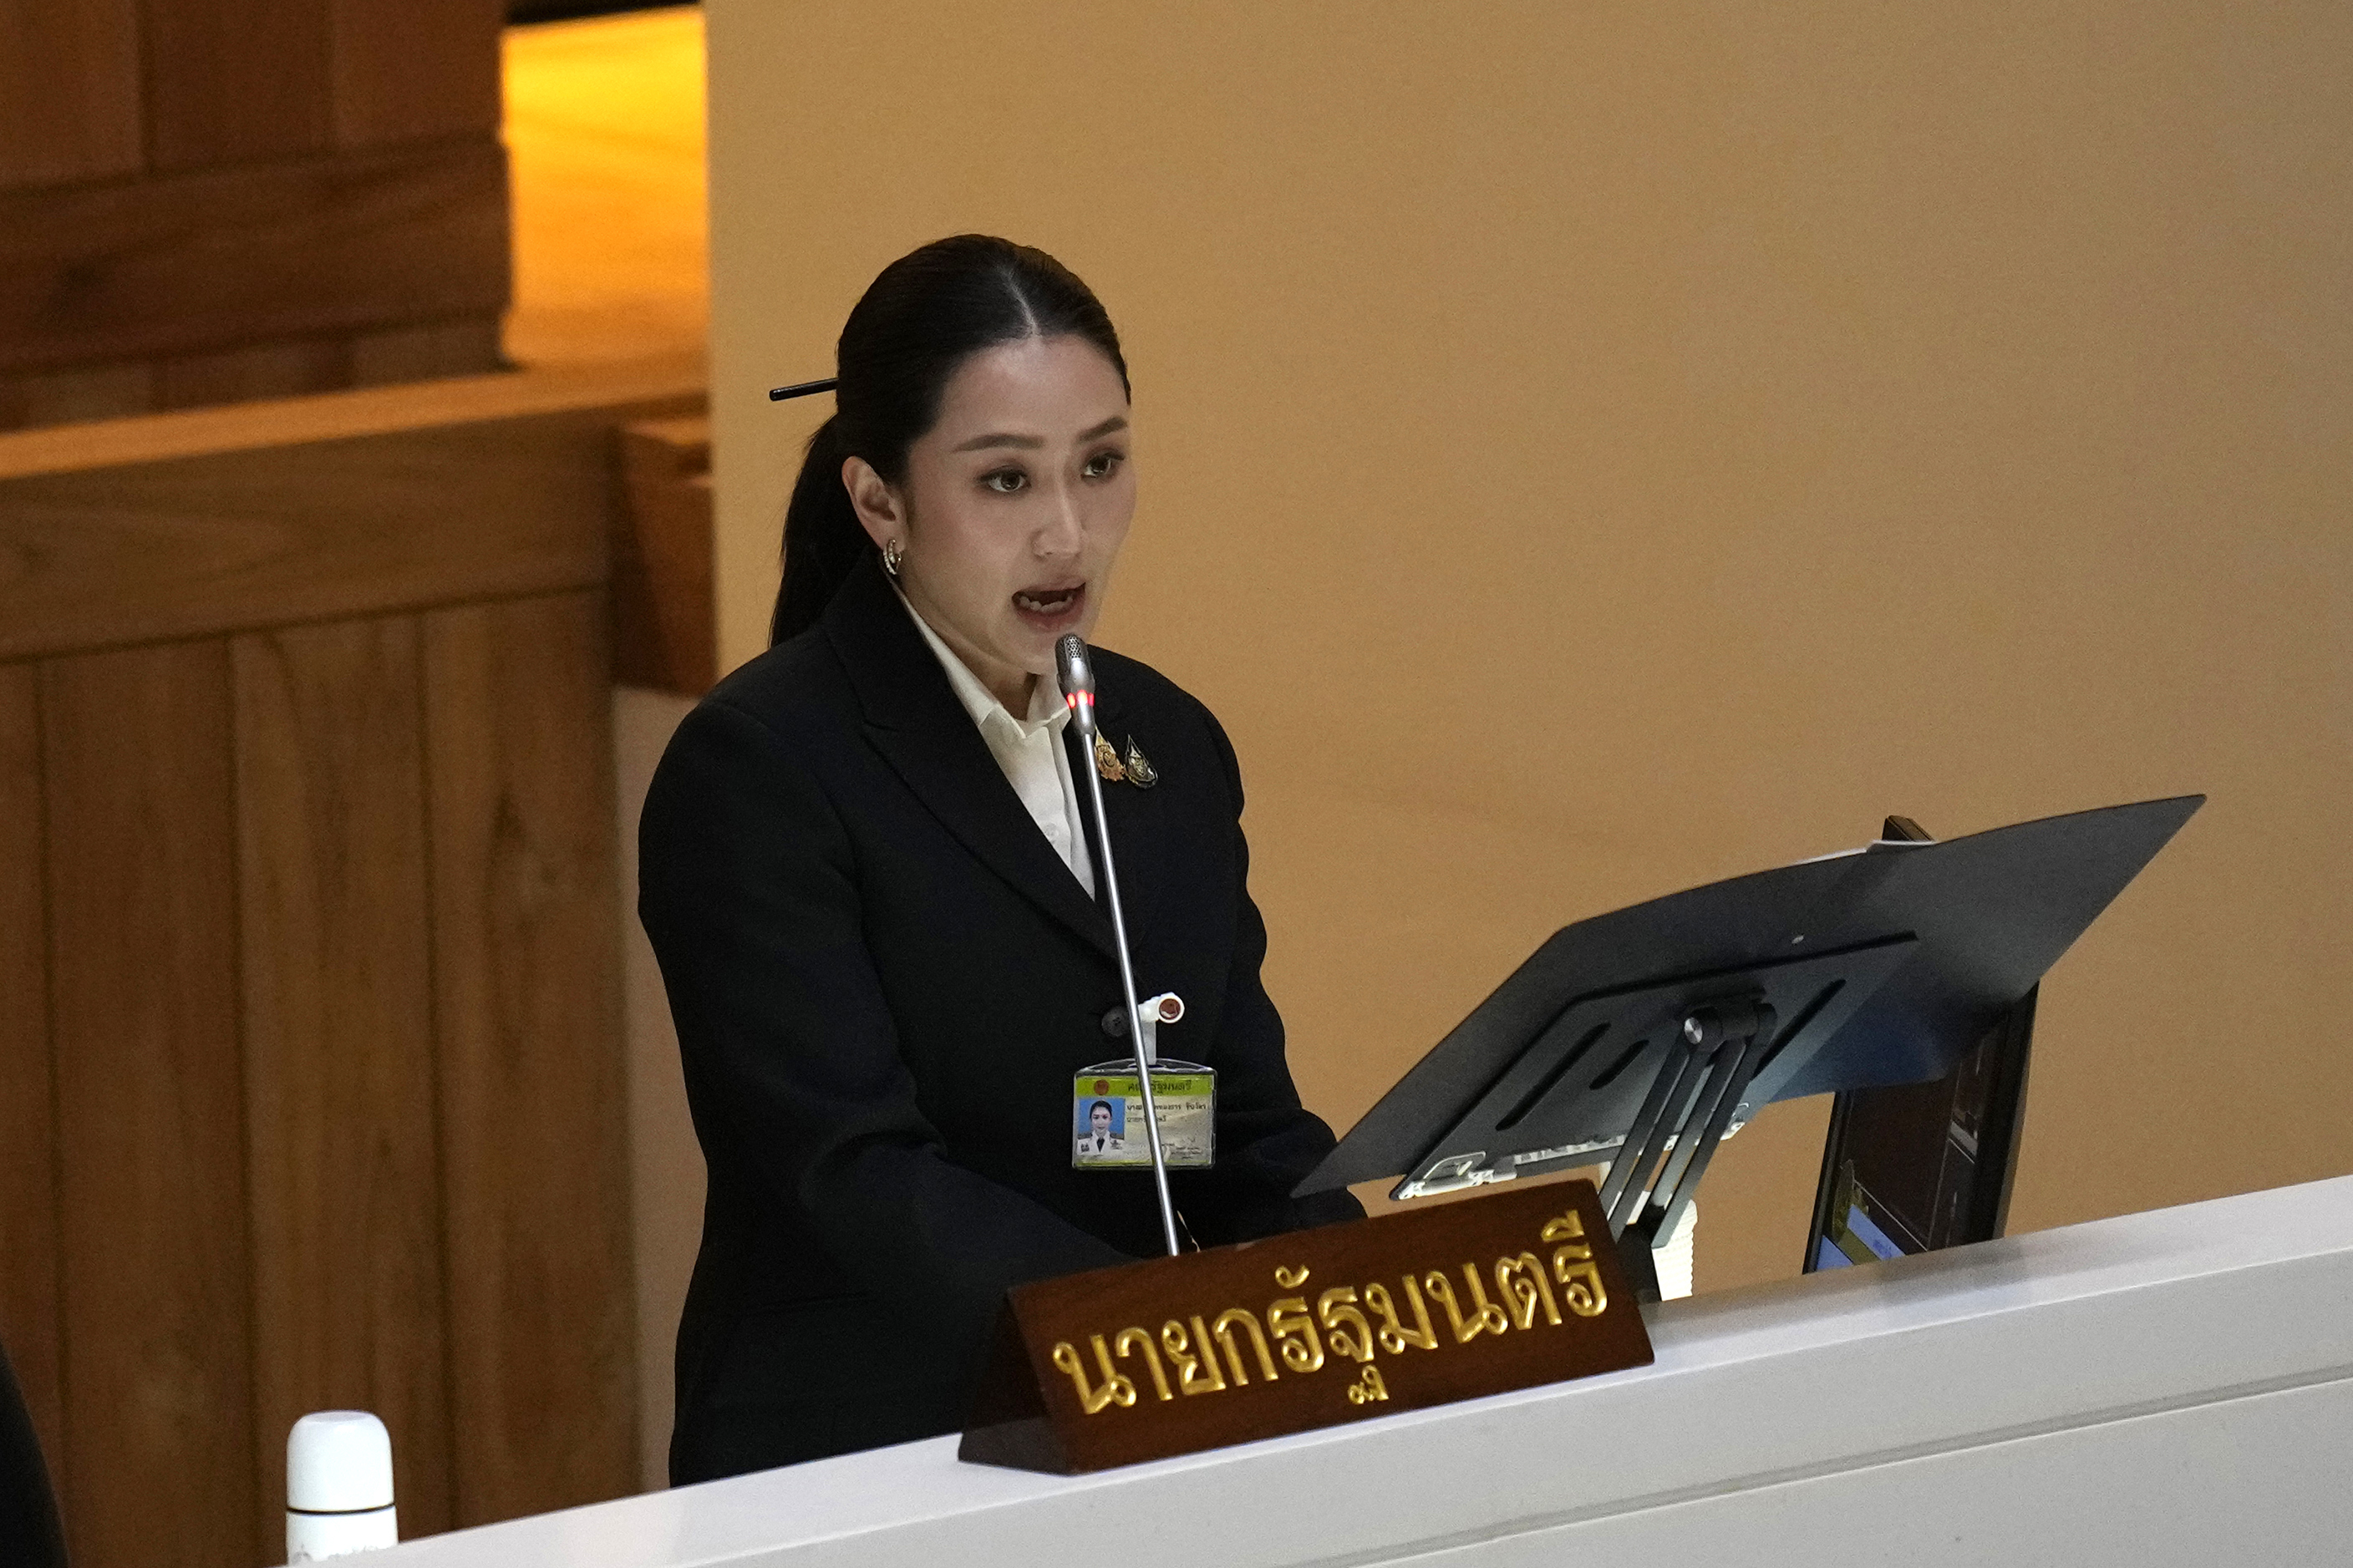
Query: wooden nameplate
(1173, 1355)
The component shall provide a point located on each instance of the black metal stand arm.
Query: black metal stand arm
(1676, 1132)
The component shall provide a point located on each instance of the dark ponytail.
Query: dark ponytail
(927, 313)
(823, 539)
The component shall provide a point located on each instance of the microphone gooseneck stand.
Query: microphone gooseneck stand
(1078, 683)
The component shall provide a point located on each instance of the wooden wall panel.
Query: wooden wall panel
(526, 945)
(280, 876)
(76, 393)
(30, 1324)
(464, 347)
(235, 81)
(68, 92)
(243, 375)
(298, 368)
(213, 201)
(407, 70)
(665, 618)
(337, 973)
(313, 532)
(159, 1427)
(224, 259)
(603, 394)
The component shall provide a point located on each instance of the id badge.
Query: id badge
(1107, 1116)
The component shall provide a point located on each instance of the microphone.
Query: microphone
(1077, 676)
(1076, 672)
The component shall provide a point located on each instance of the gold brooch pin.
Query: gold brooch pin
(1136, 769)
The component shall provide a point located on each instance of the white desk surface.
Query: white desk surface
(2064, 1396)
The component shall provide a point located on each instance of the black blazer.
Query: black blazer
(884, 979)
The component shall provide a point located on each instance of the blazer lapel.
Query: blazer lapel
(913, 720)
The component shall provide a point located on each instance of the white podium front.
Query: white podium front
(2166, 1387)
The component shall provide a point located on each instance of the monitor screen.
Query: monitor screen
(1925, 1165)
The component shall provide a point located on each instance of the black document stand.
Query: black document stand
(1640, 1037)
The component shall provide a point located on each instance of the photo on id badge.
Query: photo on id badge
(1101, 1128)
(1107, 1116)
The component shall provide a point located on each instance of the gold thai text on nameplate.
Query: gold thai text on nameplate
(1339, 1332)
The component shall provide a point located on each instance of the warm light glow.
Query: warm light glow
(604, 131)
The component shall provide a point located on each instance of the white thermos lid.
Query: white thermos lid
(338, 1462)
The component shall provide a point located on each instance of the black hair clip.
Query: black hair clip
(802, 389)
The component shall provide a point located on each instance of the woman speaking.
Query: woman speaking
(873, 894)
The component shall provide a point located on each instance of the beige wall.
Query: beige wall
(1653, 442)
